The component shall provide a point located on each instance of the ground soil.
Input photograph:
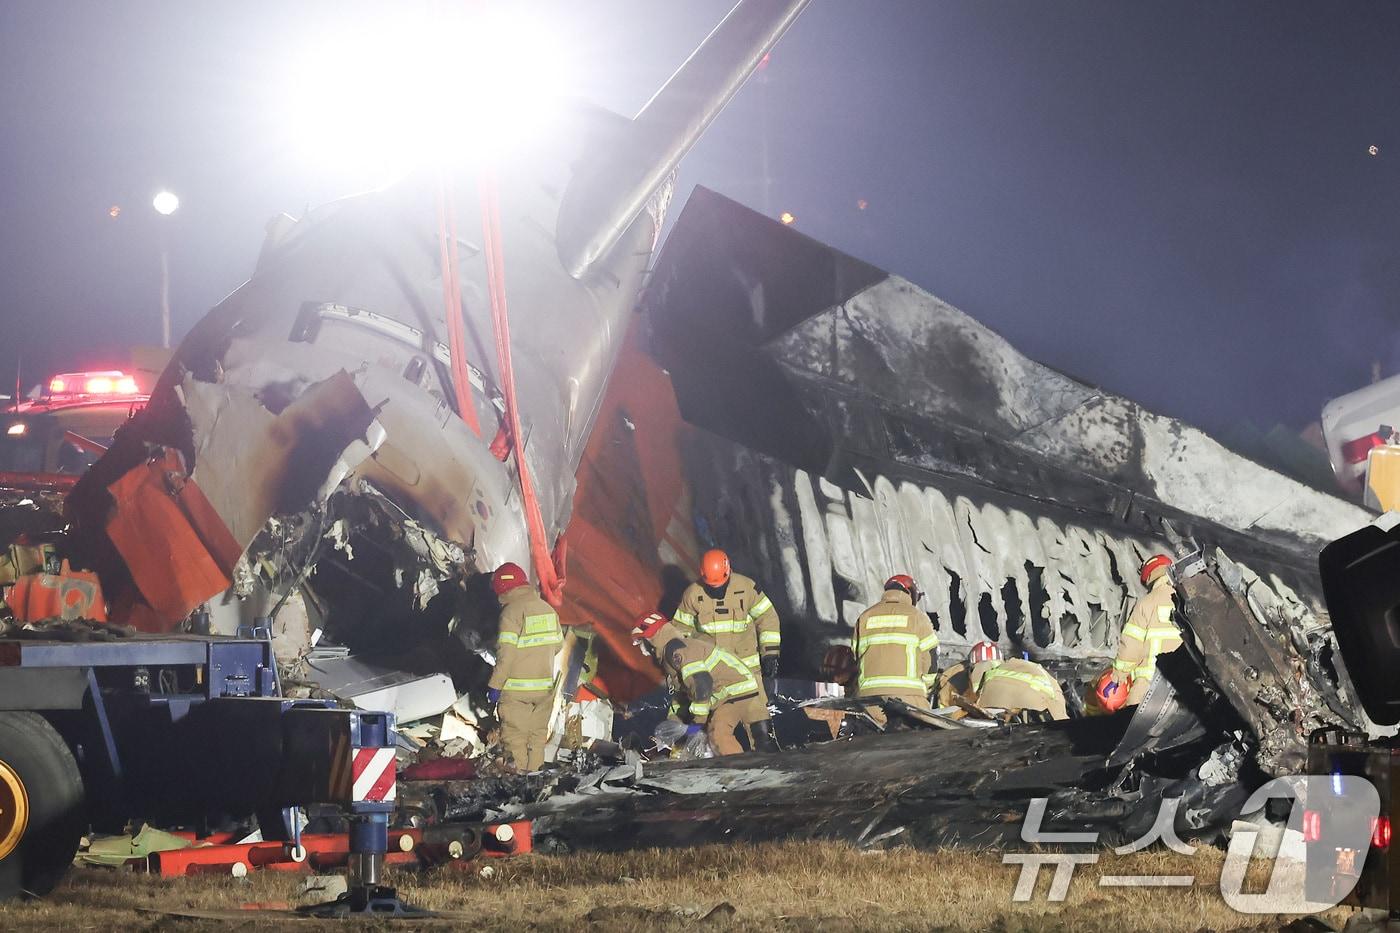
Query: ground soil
(741, 887)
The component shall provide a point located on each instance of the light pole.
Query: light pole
(165, 203)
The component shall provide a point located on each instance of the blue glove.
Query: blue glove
(693, 729)
(493, 696)
(1110, 688)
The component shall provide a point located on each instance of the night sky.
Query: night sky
(1172, 200)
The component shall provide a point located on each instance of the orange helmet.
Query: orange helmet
(507, 577)
(985, 651)
(902, 581)
(647, 626)
(1152, 565)
(714, 568)
(1111, 696)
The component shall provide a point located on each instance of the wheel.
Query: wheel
(41, 805)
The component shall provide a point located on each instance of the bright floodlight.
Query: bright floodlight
(165, 202)
(384, 97)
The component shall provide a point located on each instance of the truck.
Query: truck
(49, 440)
(1361, 583)
(99, 727)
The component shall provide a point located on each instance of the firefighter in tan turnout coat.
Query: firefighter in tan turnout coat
(720, 691)
(1014, 683)
(522, 686)
(896, 648)
(729, 609)
(1150, 631)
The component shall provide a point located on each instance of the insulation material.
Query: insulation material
(1053, 588)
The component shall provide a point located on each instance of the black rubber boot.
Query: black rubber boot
(763, 738)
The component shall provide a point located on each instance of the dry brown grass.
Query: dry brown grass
(779, 886)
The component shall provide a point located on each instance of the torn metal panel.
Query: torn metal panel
(253, 462)
(176, 547)
(409, 697)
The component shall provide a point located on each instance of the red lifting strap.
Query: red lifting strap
(551, 577)
(452, 304)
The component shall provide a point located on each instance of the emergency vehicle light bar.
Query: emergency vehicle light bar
(106, 382)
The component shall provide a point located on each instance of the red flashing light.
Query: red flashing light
(108, 382)
(1380, 832)
(1312, 826)
(1358, 450)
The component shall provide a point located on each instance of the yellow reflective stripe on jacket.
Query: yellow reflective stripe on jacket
(684, 618)
(929, 642)
(887, 622)
(725, 626)
(1034, 681)
(760, 607)
(767, 639)
(700, 710)
(1152, 637)
(889, 638)
(750, 662)
(528, 683)
(508, 638)
(865, 684)
(1155, 637)
(910, 679)
(718, 656)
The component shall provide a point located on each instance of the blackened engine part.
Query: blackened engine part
(1254, 670)
(1158, 722)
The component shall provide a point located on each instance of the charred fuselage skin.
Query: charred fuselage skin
(356, 288)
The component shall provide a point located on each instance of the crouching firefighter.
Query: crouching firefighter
(1014, 684)
(896, 648)
(522, 686)
(721, 690)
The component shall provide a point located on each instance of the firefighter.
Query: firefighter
(522, 686)
(896, 647)
(1149, 632)
(955, 683)
(721, 692)
(1014, 683)
(731, 610)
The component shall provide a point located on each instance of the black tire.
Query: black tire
(34, 751)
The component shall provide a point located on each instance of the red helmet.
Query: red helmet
(714, 568)
(507, 577)
(985, 651)
(1152, 565)
(647, 626)
(902, 581)
(839, 664)
(1110, 698)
